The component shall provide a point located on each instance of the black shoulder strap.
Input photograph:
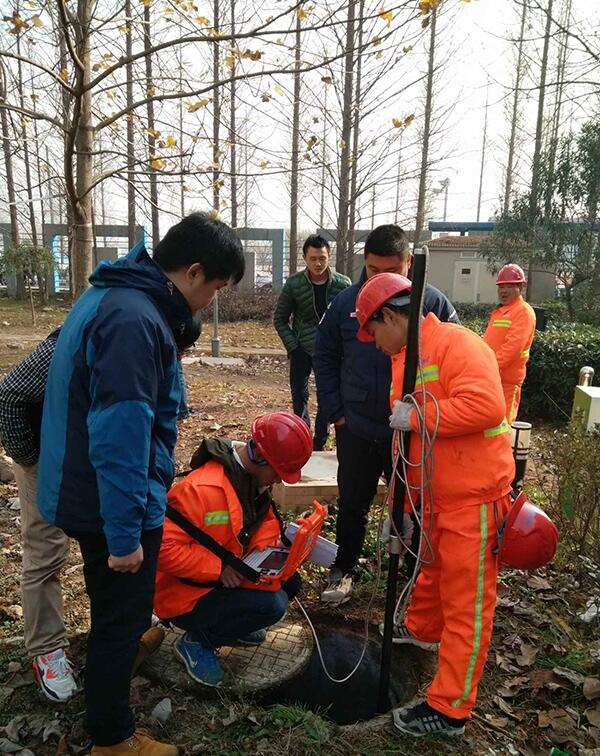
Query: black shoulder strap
(209, 543)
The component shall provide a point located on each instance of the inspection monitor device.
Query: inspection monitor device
(278, 563)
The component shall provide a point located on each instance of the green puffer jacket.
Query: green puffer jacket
(295, 315)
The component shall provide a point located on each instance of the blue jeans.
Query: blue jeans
(184, 410)
(301, 365)
(224, 615)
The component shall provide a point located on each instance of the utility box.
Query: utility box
(586, 406)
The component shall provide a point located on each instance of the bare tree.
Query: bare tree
(295, 147)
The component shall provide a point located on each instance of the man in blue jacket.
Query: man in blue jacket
(353, 387)
(108, 438)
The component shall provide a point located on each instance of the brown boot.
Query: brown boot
(149, 644)
(139, 744)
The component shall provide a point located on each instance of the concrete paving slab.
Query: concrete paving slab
(221, 361)
(282, 656)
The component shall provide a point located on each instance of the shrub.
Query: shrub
(557, 355)
(570, 487)
(246, 305)
(474, 311)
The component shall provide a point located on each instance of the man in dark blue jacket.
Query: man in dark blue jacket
(108, 438)
(353, 387)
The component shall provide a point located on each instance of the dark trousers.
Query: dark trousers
(121, 611)
(301, 366)
(184, 410)
(360, 465)
(224, 615)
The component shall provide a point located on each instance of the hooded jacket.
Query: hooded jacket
(353, 377)
(110, 409)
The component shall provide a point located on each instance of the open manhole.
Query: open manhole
(356, 699)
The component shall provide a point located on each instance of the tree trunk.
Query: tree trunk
(150, 131)
(233, 132)
(554, 134)
(295, 149)
(483, 149)
(515, 115)
(25, 144)
(83, 238)
(355, 146)
(216, 113)
(180, 142)
(342, 261)
(130, 131)
(10, 183)
(420, 219)
(537, 150)
(41, 275)
(323, 161)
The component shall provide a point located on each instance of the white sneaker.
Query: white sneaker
(338, 589)
(402, 635)
(55, 675)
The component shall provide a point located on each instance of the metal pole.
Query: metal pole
(215, 342)
(410, 375)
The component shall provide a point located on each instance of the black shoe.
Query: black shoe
(422, 719)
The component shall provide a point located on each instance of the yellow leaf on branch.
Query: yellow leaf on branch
(278, 90)
(264, 164)
(193, 107)
(157, 163)
(37, 22)
(202, 21)
(301, 14)
(153, 133)
(170, 141)
(387, 16)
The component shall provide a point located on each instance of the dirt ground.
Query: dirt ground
(540, 689)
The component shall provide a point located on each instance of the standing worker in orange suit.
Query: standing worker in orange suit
(454, 597)
(510, 334)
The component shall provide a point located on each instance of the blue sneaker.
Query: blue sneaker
(200, 661)
(253, 639)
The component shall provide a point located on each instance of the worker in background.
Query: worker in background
(454, 598)
(353, 384)
(510, 333)
(228, 496)
(301, 305)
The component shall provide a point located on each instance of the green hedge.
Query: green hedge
(557, 355)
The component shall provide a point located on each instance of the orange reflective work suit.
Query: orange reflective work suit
(454, 597)
(510, 333)
(208, 500)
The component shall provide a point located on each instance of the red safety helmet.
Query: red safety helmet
(511, 274)
(284, 440)
(377, 291)
(528, 538)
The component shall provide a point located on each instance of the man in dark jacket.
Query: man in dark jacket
(353, 385)
(301, 305)
(108, 438)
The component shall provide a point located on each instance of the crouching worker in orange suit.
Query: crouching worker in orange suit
(510, 333)
(453, 602)
(227, 496)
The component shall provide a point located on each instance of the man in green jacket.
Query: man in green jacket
(301, 305)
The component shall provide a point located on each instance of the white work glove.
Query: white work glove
(408, 528)
(400, 419)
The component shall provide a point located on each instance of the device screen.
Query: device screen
(274, 561)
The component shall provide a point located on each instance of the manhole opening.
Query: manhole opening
(352, 701)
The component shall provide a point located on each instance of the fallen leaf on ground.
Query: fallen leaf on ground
(538, 583)
(527, 655)
(568, 674)
(593, 715)
(591, 688)
(557, 719)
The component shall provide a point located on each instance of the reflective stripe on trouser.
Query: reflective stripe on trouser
(512, 398)
(45, 553)
(454, 601)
